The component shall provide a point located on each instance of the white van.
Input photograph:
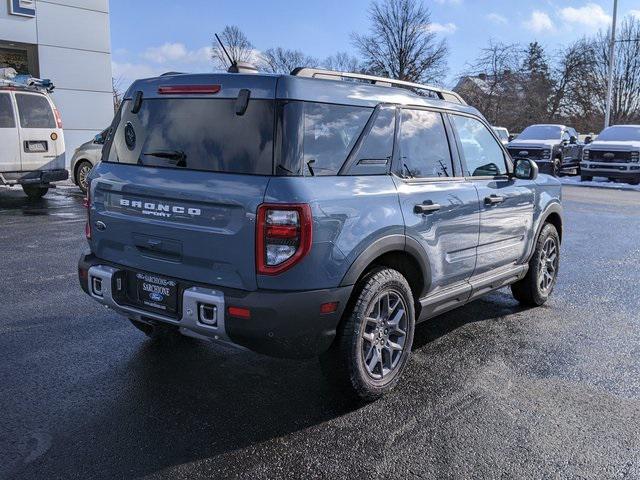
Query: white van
(33, 152)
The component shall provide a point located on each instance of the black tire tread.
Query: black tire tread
(526, 291)
(338, 363)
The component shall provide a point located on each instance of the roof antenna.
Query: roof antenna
(231, 62)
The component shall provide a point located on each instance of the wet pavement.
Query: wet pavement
(492, 389)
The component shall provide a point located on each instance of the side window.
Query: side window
(330, 132)
(6, 112)
(34, 111)
(423, 145)
(565, 136)
(374, 154)
(483, 155)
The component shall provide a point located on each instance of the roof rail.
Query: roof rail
(442, 94)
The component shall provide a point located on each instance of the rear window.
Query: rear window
(6, 112)
(34, 111)
(196, 134)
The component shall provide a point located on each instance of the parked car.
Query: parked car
(503, 134)
(33, 151)
(85, 157)
(555, 148)
(615, 155)
(303, 215)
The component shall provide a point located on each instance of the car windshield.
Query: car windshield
(621, 134)
(541, 132)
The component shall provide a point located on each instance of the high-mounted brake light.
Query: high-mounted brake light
(56, 113)
(188, 89)
(283, 236)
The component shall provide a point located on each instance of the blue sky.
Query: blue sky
(153, 36)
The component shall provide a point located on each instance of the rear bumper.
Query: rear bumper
(35, 177)
(282, 324)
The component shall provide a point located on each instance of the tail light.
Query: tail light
(56, 113)
(87, 205)
(283, 236)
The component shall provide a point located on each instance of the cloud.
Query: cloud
(130, 71)
(635, 14)
(176, 52)
(445, 28)
(590, 15)
(497, 18)
(539, 22)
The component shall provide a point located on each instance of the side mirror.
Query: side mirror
(588, 139)
(512, 137)
(98, 139)
(573, 140)
(525, 169)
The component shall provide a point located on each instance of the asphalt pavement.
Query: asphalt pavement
(492, 390)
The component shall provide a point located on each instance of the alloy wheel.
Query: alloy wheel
(548, 265)
(384, 334)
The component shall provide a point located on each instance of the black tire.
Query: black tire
(634, 181)
(533, 290)
(35, 192)
(556, 167)
(159, 333)
(82, 170)
(348, 362)
(585, 178)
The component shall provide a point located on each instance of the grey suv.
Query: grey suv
(312, 214)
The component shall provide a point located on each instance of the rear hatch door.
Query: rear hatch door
(182, 176)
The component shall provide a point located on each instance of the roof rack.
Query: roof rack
(442, 94)
(10, 78)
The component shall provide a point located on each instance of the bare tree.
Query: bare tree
(281, 60)
(401, 43)
(343, 62)
(118, 94)
(492, 83)
(236, 43)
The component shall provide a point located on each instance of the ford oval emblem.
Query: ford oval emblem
(524, 153)
(609, 155)
(101, 226)
(156, 297)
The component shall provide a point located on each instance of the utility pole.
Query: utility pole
(612, 52)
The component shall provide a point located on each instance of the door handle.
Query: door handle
(426, 208)
(493, 199)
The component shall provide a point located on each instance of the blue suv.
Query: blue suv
(314, 214)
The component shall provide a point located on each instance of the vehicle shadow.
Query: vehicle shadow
(189, 401)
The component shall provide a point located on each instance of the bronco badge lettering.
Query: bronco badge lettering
(159, 209)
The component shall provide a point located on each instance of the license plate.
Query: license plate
(157, 292)
(37, 146)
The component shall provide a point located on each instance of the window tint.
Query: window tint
(196, 134)
(423, 146)
(330, 132)
(483, 155)
(34, 111)
(6, 112)
(374, 155)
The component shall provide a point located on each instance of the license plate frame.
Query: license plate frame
(156, 292)
(36, 146)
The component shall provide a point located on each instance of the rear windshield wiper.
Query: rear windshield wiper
(178, 155)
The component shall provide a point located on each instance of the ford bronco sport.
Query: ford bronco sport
(312, 214)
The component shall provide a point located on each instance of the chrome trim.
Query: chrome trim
(188, 322)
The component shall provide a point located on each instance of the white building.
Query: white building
(67, 41)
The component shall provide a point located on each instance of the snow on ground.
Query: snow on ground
(599, 182)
